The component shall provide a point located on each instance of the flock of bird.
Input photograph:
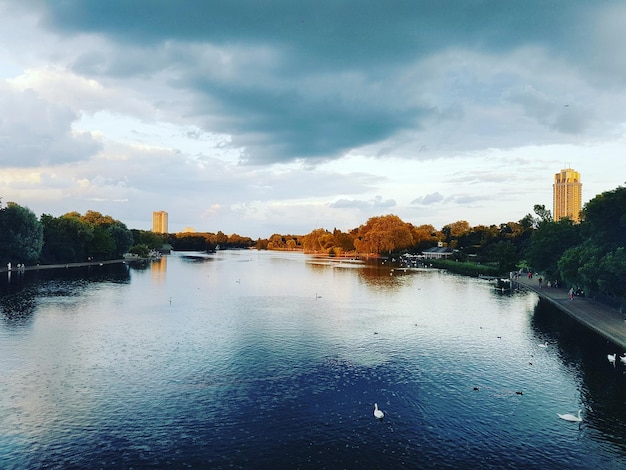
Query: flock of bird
(379, 414)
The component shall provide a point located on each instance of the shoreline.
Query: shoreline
(608, 322)
(40, 267)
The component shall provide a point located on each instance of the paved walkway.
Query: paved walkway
(38, 267)
(604, 320)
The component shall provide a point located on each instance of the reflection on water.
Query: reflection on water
(158, 269)
(271, 360)
(20, 292)
(584, 355)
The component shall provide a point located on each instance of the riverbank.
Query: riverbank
(604, 320)
(38, 267)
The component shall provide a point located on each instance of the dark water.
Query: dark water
(270, 360)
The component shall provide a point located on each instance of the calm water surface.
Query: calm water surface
(248, 359)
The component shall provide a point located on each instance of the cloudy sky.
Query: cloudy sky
(262, 117)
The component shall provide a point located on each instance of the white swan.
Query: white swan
(544, 345)
(569, 417)
(378, 413)
(623, 358)
(611, 358)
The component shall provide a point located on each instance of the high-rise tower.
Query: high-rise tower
(567, 195)
(159, 222)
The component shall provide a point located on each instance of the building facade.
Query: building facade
(567, 195)
(159, 222)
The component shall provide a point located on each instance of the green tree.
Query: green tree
(101, 246)
(98, 220)
(504, 254)
(598, 264)
(21, 235)
(111, 238)
(604, 218)
(122, 238)
(543, 215)
(140, 249)
(548, 243)
(153, 241)
(65, 238)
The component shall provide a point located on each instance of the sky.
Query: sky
(263, 117)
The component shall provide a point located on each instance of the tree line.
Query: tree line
(589, 255)
(75, 237)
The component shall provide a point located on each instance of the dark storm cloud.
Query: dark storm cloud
(306, 80)
(329, 33)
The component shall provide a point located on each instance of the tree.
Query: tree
(343, 241)
(455, 230)
(221, 238)
(423, 236)
(315, 241)
(152, 240)
(604, 218)
(277, 242)
(384, 234)
(97, 219)
(598, 264)
(65, 238)
(21, 235)
(504, 254)
(548, 243)
(122, 238)
(237, 241)
(111, 238)
(543, 215)
(101, 246)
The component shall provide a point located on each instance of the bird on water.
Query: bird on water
(569, 417)
(378, 413)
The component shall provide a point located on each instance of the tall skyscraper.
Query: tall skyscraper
(567, 195)
(159, 222)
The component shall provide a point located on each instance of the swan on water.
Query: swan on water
(623, 358)
(569, 417)
(611, 358)
(544, 345)
(378, 413)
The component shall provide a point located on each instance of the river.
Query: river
(253, 359)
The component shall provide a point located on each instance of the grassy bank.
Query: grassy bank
(466, 268)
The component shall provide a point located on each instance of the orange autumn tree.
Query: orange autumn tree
(384, 234)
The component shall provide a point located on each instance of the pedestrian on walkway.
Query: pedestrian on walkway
(540, 282)
(571, 293)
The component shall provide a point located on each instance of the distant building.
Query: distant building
(437, 252)
(159, 222)
(189, 230)
(567, 195)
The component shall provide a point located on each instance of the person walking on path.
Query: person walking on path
(571, 293)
